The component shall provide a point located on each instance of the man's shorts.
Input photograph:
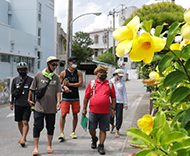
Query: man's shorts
(22, 113)
(102, 119)
(65, 107)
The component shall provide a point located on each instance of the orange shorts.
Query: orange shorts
(65, 107)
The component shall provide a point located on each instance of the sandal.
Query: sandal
(35, 153)
(116, 135)
(112, 128)
(49, 150)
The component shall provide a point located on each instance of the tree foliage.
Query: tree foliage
(167, 12)
(80, 46)
(107, 57)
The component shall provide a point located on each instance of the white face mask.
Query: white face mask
(74, 65)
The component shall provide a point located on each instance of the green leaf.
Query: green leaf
(173, 78)
(177, 52)
(173, 30)
(159, 119)
(185, 52)
(147, 25)
(167, 128)
(187, 64)
(164, 63)
(156, 133)
(177, 117)
(184, 144)
(185, 118)
(158, 29)
(137, 133)
(157, 57)
(137, 141)
(173, 137)
(143, 153)
(179, 94)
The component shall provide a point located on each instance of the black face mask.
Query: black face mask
(103, 77)
(50, 69)
(23, 74)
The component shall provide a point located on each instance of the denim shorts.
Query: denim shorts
(99, 120)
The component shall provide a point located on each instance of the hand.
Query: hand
(66, 83)
(84, 111)
(58, 106)
(11, 107)
(66, 89)
(112, 112)
(126, 107)
(31, 103)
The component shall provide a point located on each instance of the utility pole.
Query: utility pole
(69, 29)
(113, 50)
(108, 31)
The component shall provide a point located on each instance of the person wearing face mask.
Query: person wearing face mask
(121, 99)
(47, 106)
(71, 79)
(99, 95)
(20, 104)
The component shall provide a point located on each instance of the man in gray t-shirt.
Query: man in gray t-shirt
(47, 106)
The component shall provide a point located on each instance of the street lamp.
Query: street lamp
(71, 26)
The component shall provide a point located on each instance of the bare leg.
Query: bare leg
(50, 138)
(62, 122)
(93, 133)
(75, 121)
(24, 131)
(36, 140)
(102, 136)
(20, 127)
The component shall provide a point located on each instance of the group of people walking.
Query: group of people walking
(42, 94)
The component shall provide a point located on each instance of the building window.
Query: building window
(17, 59)
(96, 53)
(104, 38)
(39, 54)
(96, 37)
(38, 64)
(39, 11)
(4, 58)
(39, 36)
(30, 65)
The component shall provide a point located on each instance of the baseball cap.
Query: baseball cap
(119, 72)
(52, 58)
(72, 58)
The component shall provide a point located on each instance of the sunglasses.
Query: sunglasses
(74, 61)
(54, 64)
(102, 72)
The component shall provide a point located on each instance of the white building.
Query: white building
(27, 34)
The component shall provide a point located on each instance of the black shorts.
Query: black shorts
(102, 120)
(22, 113)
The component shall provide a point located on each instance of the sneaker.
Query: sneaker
(94, 141)
(73, 135)
(101, 149)
(61, 137)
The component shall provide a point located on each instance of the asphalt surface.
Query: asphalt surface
(138, 101)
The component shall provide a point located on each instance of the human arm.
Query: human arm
(79, 83)
(58, 101)
(113, 106)
(61, 78)
(13, 87)
(85, 104)
(125, 97)
(31, 103)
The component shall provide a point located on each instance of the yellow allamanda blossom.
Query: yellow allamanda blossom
(125, 36)
(179, 46)
(146, 123)
(154, 75)
(144, 47)
(185, 30)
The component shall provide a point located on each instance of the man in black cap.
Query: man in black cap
(70, 79)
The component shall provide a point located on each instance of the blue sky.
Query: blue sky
(90, 22)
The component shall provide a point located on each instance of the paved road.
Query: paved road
(138, 106)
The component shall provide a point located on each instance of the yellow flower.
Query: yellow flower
(144, 46)
(154, 75)
(146, 123)
(125, 35)
(177, 46)
(185, 30)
